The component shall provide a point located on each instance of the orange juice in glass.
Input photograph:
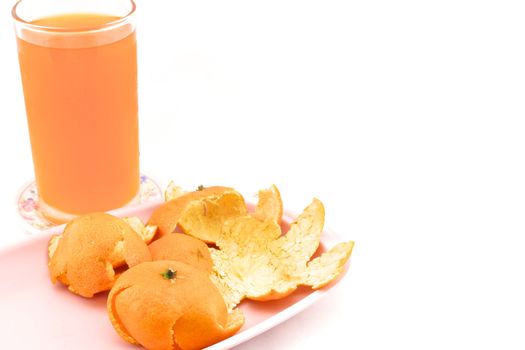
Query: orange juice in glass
(78, 64)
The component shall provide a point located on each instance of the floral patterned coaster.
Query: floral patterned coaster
(29, 210)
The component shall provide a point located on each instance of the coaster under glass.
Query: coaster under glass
(35, 222)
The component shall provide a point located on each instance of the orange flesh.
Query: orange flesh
(81, 107)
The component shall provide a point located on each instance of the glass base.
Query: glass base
(30, 209)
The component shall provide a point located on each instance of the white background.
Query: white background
(404, 117)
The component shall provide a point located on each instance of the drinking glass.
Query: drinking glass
(78, 62)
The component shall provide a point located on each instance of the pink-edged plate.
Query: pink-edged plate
(35, 314)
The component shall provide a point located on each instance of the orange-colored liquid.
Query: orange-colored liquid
(81, 108)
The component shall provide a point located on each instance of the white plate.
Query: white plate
(36, 314)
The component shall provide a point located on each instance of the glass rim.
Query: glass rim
(39, 27)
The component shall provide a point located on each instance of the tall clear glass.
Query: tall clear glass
(78, 62)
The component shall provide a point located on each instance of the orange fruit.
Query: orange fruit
(167, 216)
(166, 305)
(183, 248)
(92, 246)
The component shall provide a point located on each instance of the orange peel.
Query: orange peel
(146, 232)
(194, 212)
(204, 218)
(269, 205)
(173, 191)
(86, 255)
(199, 213)
(255, 261)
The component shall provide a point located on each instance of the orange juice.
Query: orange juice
(81, 104)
